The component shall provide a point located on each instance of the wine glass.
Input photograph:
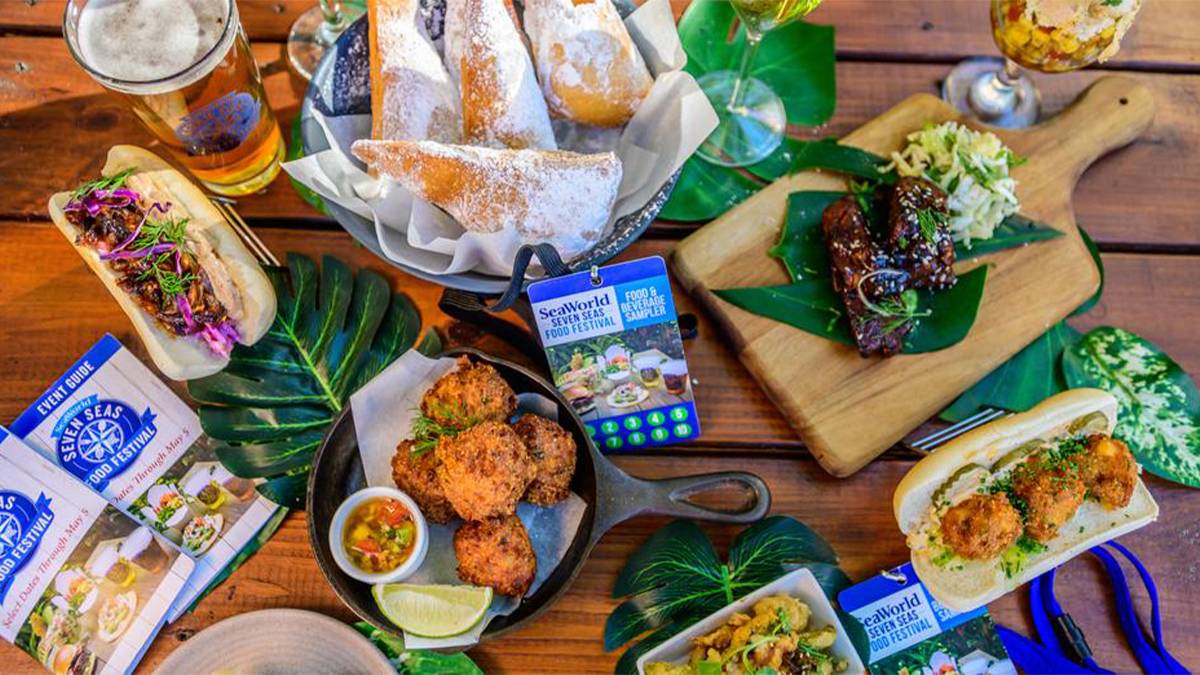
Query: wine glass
(1048, 37)
(751, 116)
(316, 30)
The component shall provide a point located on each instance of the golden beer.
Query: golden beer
(186, 69)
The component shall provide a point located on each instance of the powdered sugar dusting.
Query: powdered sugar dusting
(589, 68)
(501, 101)
(419, 99)
(562, 198)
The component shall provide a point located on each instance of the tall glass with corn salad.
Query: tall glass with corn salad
(1049, 36)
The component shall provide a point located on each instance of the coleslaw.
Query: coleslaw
(972, 167)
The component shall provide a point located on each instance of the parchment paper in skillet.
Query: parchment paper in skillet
(383, 413)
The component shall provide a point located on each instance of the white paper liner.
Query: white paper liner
(383, 412)
(671, 123)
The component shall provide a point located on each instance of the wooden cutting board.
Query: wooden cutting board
(848, 409)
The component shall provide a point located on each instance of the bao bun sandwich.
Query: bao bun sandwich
(174, 265)
(1017, 497)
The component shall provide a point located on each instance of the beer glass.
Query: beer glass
(751, 118)
(186, 70)
(1060, 39)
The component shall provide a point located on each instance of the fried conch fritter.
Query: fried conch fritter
(552, 451)
(484, 470)
(471, 394)
(416, 475)
(497, 553)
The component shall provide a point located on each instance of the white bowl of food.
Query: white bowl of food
(379, 536)
(784, 596)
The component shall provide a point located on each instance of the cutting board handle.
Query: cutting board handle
(1111, 113)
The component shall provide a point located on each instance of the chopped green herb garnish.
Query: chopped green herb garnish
(1014, 558)
(943, 558)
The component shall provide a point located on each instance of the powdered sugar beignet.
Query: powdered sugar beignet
(590, 70)
(412, 95)
(562, 198)
(502, 105)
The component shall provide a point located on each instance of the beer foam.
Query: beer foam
(144, 40)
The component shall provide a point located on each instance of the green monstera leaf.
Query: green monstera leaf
(676, 578)
(270, 407)
(1021, 382)
(1159, 417)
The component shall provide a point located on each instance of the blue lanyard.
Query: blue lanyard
(1062, 647)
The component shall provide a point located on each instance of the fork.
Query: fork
(251, 240)
(928, 444)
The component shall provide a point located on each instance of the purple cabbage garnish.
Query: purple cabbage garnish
(221, 337)
(140, 253)
(185, 309)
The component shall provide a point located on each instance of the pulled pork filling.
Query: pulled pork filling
(148, 251)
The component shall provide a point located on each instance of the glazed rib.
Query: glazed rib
(854, 261)
(926, 253)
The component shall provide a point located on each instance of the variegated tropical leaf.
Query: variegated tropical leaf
(1159, 416)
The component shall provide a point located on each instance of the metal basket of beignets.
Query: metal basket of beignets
(341, 86)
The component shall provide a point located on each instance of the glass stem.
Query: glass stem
(334, 21)
(753, 40)
(994, 95)
(1010, 74)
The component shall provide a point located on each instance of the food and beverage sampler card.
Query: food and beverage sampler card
(912, 633)
(116, 427)
(83, 587)
(612, 339)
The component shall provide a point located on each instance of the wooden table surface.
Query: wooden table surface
(1139, 204)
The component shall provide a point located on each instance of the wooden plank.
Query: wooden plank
(854, 515)
(57, 124)
(826, 390)
(1165, 36)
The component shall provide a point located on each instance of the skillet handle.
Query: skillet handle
(668, 496)
(622, 496)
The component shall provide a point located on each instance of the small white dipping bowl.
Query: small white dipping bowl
(339, 551)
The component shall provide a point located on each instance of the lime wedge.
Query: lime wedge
(434, 610)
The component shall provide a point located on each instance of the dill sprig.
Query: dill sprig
(103, 183)
(426, 431)
(929, 221)
(162, 271)
(864, 194)
(167, 230)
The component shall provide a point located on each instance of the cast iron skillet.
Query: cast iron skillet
(612, 496)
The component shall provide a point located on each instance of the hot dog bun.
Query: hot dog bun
(180, 358)
(967, 584)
